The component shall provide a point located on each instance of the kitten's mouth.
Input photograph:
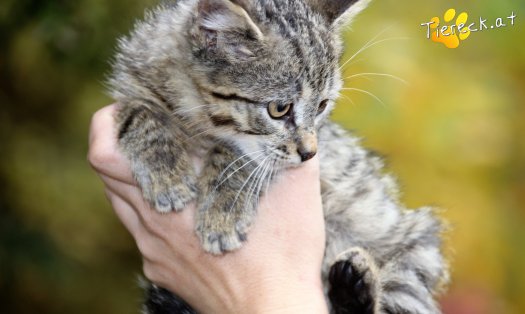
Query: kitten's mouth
(283, 159)
(286, 163)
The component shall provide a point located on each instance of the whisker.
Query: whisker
(198, 134)
(238, 169)
(272, 171)
(378, 74)
(356, 61)
(382, 41)
(244, 165)
(181, 111)
(347, 98)
(255, 185)
(365, 92)
(236, 160)
(192, 123)
(266, 175)
(366, 46)
(246, 182)
(365, 77)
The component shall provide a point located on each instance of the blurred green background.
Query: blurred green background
(454, 135)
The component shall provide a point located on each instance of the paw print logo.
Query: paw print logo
(452, 35)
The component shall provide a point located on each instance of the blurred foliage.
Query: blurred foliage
(453, 136)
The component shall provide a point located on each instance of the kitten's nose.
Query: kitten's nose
(306, 144)
(306, 155)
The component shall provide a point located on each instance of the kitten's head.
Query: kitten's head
(268, 70)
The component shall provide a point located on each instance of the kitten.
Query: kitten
(247, 85)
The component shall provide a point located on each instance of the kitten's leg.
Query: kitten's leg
(227, 205)
(410, 268)
(354, 286)
(161, 301)
(413, 266)
(159, 162)
(362, 209)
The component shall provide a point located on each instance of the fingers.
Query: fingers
(294, 197)
(103, 154)
(149, 245)
(114, 170)
(308, 173)
(177, 228)
(129, 192)
(126, 213)
(295, 186)
(140, 222)
(161, 238)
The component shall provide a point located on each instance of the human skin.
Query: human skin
(276, 271)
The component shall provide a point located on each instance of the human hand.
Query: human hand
(276, 271)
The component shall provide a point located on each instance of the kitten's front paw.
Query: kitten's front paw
(354, 285)
(217, 238)
(168, 193)
(227, 202)
(174, 198)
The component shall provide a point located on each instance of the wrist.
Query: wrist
(286, 297)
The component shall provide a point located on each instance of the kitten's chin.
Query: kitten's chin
(287, 164)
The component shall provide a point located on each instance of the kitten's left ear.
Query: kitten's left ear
(338, 12)
(224, 28)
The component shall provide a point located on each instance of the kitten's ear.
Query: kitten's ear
(225, 28)
(338, 12)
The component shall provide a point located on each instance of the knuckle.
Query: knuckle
(159, 274)
(149, 271)
(144, 248)
(154, 229)
(96, 157)
(152, 225)
(147, 220)
(101, 160)
(99, 154)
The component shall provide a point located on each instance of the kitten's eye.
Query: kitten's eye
(278, 111)
(322, 106)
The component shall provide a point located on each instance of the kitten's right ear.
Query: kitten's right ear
(338, 12)
(224, 28)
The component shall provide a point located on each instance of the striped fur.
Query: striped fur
(200, 76)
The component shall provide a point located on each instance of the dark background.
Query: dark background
(453, 135)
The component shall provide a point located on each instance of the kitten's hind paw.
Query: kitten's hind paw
(353, 284)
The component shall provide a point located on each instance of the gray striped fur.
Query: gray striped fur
(197, 77)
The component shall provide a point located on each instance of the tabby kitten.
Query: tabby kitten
(247, 85)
